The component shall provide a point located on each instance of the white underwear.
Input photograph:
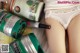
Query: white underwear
(64, 13)
(64, 16)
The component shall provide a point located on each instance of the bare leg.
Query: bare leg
(74, 35)
(55, 36)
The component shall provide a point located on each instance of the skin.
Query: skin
(56, 36)
(74, 35)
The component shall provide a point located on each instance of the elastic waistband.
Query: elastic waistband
(65, 10)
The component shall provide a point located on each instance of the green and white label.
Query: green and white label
(28, 45)
(10, 24)
(28, 8)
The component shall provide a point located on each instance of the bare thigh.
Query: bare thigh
(74, 35)
(55, 36)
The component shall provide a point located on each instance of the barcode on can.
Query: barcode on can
(4, 48)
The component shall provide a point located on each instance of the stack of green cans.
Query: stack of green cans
(11, 25)
(15, 25)
(28, 44)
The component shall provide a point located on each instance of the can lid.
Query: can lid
(2, 15)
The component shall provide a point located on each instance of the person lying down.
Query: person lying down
(63, 15)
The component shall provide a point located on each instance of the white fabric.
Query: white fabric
(53, 4)
(61, 13)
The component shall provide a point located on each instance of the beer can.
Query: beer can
(29, 9)
(28, 44)
(11, 25)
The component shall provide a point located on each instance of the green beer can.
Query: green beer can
(28, 44)
(11, 25)
(29, 9)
